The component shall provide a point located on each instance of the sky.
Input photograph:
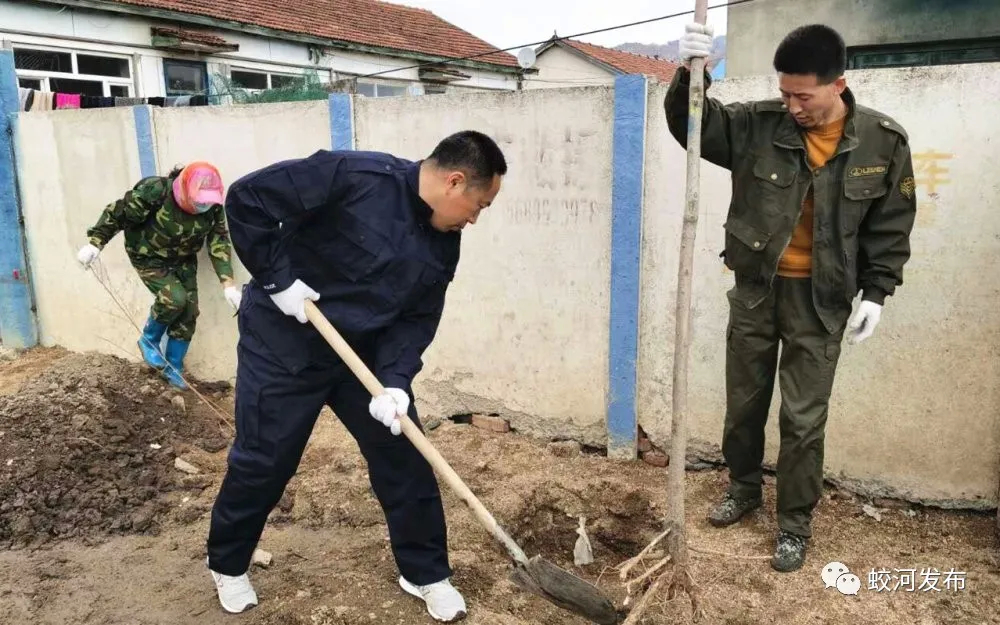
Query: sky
(517, 22)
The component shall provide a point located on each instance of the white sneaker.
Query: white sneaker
(236, 594)
(444, 603)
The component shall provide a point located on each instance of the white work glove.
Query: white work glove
(388, 407)
(696, 42)
(864, 322)
(233, 295)
(87, 254)
(292, 301)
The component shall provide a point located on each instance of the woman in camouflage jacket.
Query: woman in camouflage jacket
(166, 221)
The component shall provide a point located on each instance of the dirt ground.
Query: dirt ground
(99, 527)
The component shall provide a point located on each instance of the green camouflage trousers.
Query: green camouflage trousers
(176, 292)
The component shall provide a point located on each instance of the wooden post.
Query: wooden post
(682, 339)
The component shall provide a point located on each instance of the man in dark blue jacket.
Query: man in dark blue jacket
(374, 241)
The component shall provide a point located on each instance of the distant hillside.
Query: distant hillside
(669, 51)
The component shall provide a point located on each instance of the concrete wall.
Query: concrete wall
(73, 163)
(525, 330)
(755, 29)
(915, 410)
(559, 68)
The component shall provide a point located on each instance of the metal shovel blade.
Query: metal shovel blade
(562, 588)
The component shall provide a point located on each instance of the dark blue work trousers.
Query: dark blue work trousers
(275, 414)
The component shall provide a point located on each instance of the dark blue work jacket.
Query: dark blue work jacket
(352, 226)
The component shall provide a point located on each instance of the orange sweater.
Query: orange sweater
(821, 142)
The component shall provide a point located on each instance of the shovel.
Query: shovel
(536, 575)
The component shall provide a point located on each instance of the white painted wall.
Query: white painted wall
(915, 410)
(917, 407)
(41, 24)
(74, 163)
(559, 68)
(525, 329)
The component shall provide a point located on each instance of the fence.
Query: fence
(560, 316)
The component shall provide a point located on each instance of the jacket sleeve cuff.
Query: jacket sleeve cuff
(874, 294)
(276, 281)
(395, 380)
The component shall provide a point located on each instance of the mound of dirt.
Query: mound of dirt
(88, 447)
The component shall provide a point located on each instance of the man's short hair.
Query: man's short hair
(473, 153)
(813, 49)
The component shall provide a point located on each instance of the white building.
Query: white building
(164, 48)
(572, 63)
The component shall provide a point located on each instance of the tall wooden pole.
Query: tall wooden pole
(682, 340)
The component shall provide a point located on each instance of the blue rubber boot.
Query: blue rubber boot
(176, 350)
(149, 343)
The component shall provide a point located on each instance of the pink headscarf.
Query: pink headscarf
(198, 188)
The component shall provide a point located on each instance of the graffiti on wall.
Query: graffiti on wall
(931, 171)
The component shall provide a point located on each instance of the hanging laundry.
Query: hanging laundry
(199, 100)
(120, 101)
(156, 101)
(67, 100)
(96, 102)
(183, 100)
(42, 100)
(25, 96)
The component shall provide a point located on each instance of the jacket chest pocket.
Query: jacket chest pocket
(772, 184)
(412, 280)
(859, 193)
(745, 245)
(354, 249)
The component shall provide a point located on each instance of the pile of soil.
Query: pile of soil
(88, 448)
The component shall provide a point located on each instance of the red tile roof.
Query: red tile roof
(366, 22)
(626, 61)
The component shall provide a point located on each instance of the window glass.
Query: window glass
(102, 66)
(43, 61)
(83, 87)
(388, 91)
(184, 78)
(248, 80)
(278, 81)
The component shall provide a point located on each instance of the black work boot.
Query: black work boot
(731, 510)
(790, 553)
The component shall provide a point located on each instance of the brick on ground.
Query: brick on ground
(491, 423)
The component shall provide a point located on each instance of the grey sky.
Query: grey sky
(516, 22)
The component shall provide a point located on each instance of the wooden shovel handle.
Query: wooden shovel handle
(412, 432)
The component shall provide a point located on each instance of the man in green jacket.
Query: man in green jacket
(166, 221)
(822, 207)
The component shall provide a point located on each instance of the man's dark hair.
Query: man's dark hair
(813, 49)
(473, 153)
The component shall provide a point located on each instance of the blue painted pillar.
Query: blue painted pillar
(18, 325)
(628, 159)
(341, 122)
(145, 141)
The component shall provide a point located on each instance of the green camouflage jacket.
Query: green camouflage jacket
(158, 233)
